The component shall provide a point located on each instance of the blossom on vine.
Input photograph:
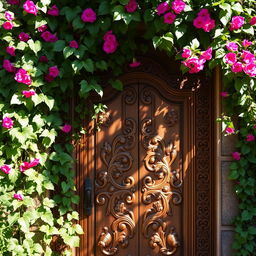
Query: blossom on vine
(194, 64)
(178, 6)
(73, 44)
(206, 55)
(53, 11)
(253, 20)
(236, 155)
(8, 25)
(246, 43)
(18, 196)
(13, 2)
(27, 165)
(49, 37)
(110, 42)
(131, 6)
(248, 57)
(53, 71)
(43, 58)
(232, 46)
(169, 17)
(230, 58)
(23, 77)
(30, 7)
(5, 168)
(162, 8)
(236, 23)
(250, 137)
(135, 64)
(237, 67)
(48, 78)
(29, 93)
(66, 128)
(42, 28)
(10, 50)
(8, 66)
(224, 94)
(250, 69)
(23, 36)
(9, 16)
(204, 21)
(230, 130)
(7, 122)
(186, 53)
(88, 15)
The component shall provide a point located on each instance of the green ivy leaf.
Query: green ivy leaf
(68, 51)
(88, 65)
(117, 84)
(59, 45)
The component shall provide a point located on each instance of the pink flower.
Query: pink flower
(246, 43)
(230, 130)
(88, 15)
(66, 128)
(248, 57)
(73, 44)
(9, 16)
(18, 196)
(23, 77)
(169, 17)
(135, 64)
(207, 55)
(53, 11)
(5, 168)
(131, 6)
(34, 162)
(7, 123)
(53, 71)
(236, 23)
(204, 21)
(7, 25)
(224, 94)
(236, 155)
(23, 37)
(254, 126)
(186, 53)
(230, 58)
(237, 67)
(49, 37)
(231, 46)
(43, 59)
(204, 13)
(178, 6)
(8, 66)
(162, 8)
(250, 137)
(110, 45)
(42, 28)
(253, 20)
(194, 64)
(48, 78)
(10, 50)
(250, 69)
(109, 36)
(30, 7)
(29, 93)
(13, 2)
(27, 165)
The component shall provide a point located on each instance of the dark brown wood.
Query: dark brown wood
(151, 165)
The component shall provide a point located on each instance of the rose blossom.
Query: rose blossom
(237, 67)
(73, 44)
(230, 130)
(131, 6)
(186, 53)
(110, 45)
(169, 17)
(23, 77)
(43, 59)
(18, 196)
(49, 37)
(66, 128)
(42, 28)
(9, 16)
(231, 46)
(13, 2)
(10, 50)
(88, 15)
(8, 66)
(5, 168)
(253, 20)
(236, 23)
(236, 155)
(250, 69)
(250, 137)
(224, 94)
(248, 57)
(135, 64)
(23, 37)
(30, 7)
(178, 6)
(230, 58)
(246, 43)
(194, 64)
(7, 25)
(27, 165)
(7, 122)
(53, 71)
(207, 55)
(29, 93)
(53, 11)
(162, 8)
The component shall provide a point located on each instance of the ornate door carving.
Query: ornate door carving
(150, 188)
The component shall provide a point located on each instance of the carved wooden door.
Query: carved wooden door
(144, 164)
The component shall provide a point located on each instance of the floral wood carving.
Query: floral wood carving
(171, 117)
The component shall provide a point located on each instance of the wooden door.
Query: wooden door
(150, 167)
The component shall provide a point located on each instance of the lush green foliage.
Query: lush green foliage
(27, 226)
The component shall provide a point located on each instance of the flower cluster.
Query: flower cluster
(23, 77)
(53, 72)
(110, 42)
(7, 122)
(89, 15)
(204, 21)
(27, 165)
(131, 6)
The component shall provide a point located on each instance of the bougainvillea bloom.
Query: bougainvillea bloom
(43, 59)
(110, 45)
(23, 77)
(18, 196)
(253, 20)
(237, 67)
(7, 25)
(7, 122)
(29, 93)
(250, 137)
(9, 16)
(53, 71)
(66, 128)
(8, 66)
(204, 21)
(73, 44)
(27, 165)
(207, 55)
(162, 8)
(135, 64)
(230, 58)
(131, 6)
(231, 46)
(5, 168)
(248, 57)
(49, 37)
(24, 36)
(30, 7)
(178, 6)
(10, 50)
(250, 69)
(236, 155)
(13, 2)
(246, 43)
(194, 64)
(224, 94)
(169, 17)
(53, 11)
(230, 130)
(236, 23)
(88, 15)
(186, 53)
(42, 28)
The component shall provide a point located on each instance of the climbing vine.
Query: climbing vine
(51, 51)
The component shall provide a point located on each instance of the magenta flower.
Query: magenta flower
(88, 15)
(230, 130)
(53, 71)
(23, 77)
(253, 20)
(110, 45)
(204, 21)
(66, 128)
(9, 16)
(43, 59)
(178, 6)
(224, 94)
(73, 44)
(7, 25)
(48, 78)
(49, 37)
(237, 67)
(231, 46)
(29, 93)
(250, 69)
(131, 6)
(30, 7)
(186, 53)
(248, 57)
(207, 55)
(236, 23)
(5, 168)
(135, 64)
(27, 165)
(162, 8)
(10, 50)
(8, 66)
(23, 37)
(7, 122)
(250, 137)
(13, 2)
(42, 28)
(18, 196)
(246, 43)
(236, 155)
(230, 58)
(53, 11)
(169, 17)
(194, 64)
